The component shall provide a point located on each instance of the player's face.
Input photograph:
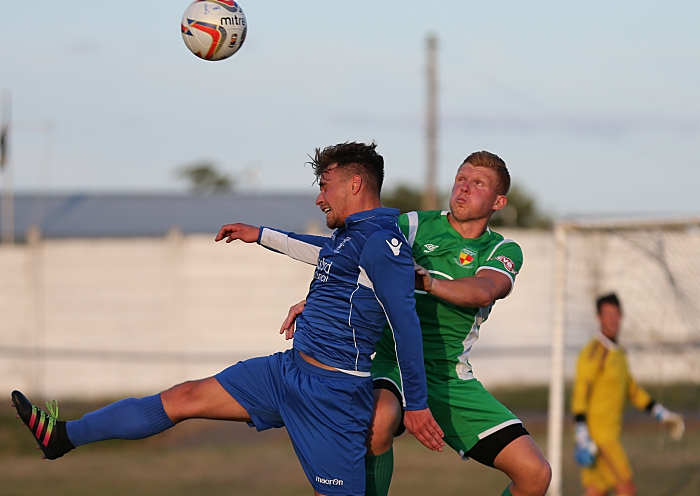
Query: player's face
(474, 193)
(333, 198)
(609, 318)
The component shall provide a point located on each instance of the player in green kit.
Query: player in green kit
(462, 268)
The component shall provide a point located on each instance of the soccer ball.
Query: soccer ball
(213, 29)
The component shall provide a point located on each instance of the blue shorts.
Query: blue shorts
(326, 413)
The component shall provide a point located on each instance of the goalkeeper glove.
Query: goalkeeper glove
(673, 420)
(585, 450)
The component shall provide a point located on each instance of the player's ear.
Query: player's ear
(355, 184)
(501, 201)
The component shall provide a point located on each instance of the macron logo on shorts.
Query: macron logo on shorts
(330, 482)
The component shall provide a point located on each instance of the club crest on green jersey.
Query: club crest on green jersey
(466, 257)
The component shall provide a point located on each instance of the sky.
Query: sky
(594, 106)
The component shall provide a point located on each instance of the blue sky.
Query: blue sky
(595, 107)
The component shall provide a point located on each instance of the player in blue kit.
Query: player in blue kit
(321, 389)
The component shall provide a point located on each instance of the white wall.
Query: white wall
(214, 303)
(109, 317)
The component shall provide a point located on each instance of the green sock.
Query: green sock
(507, 491)
(378, 470)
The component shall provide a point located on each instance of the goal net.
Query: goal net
(654, 268)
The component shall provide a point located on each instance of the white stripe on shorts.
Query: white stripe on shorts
(499, 427)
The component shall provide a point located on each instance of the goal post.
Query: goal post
(653, 265)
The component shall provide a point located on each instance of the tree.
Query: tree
(521, 211)
(404, 197)
(204, 177)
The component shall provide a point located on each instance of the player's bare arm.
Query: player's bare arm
(480, 290)
(289, 326)
(244, 232)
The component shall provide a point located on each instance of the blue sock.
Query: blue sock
(132, 418)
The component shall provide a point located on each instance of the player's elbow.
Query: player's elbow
(485, 297)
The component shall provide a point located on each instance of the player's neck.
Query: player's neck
(363, 204)
(470, 228)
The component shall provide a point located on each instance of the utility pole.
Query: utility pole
(7, 194)
(430, 201)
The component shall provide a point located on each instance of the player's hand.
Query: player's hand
(244, 232)
(676, 426)
(421, 424)
(424, 281)
(585, 450)
(289, 325)
(672, 420)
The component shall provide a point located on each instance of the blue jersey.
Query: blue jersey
(364, 278)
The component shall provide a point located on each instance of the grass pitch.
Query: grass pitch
(220, 458)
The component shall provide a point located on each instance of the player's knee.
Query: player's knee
(538, 475)
(532, 476)
(385, 421)
(178, 400)
(380, 436)
(542, 476)
(537, 479)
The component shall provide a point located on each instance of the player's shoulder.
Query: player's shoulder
(420, 216)
(428, 217)
(387, 233)
(423, 222)
(593, 351)
(387, 243)
(496, 238)
(498, 244)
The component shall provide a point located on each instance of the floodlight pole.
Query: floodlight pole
(555, 421)
(6, 193)
(430, 194)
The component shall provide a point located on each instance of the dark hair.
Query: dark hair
(353, 159)
(494, 162)
(610, 299)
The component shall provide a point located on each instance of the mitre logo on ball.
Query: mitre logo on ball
(213, 29)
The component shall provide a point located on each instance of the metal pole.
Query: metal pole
(555, 424)
(7, 200)
(430, 193)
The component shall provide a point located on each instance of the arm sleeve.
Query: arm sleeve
(389, 270)
(302, 247)
(587, 370)
(507, 258)
(638, 396)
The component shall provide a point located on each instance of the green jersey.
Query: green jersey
(450, 331)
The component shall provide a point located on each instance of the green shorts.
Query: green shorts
(465, 410)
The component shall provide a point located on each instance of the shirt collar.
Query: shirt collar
(368, 214)
(607, 342)
(485, 235)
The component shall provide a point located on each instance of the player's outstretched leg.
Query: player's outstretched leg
(132, 418)
(49, 432)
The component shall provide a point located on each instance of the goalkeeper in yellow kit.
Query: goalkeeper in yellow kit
(603, 382)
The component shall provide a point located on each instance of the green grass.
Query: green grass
(203, 457)
(674, 396)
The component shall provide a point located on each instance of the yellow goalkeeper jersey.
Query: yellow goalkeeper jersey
(603, 382)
